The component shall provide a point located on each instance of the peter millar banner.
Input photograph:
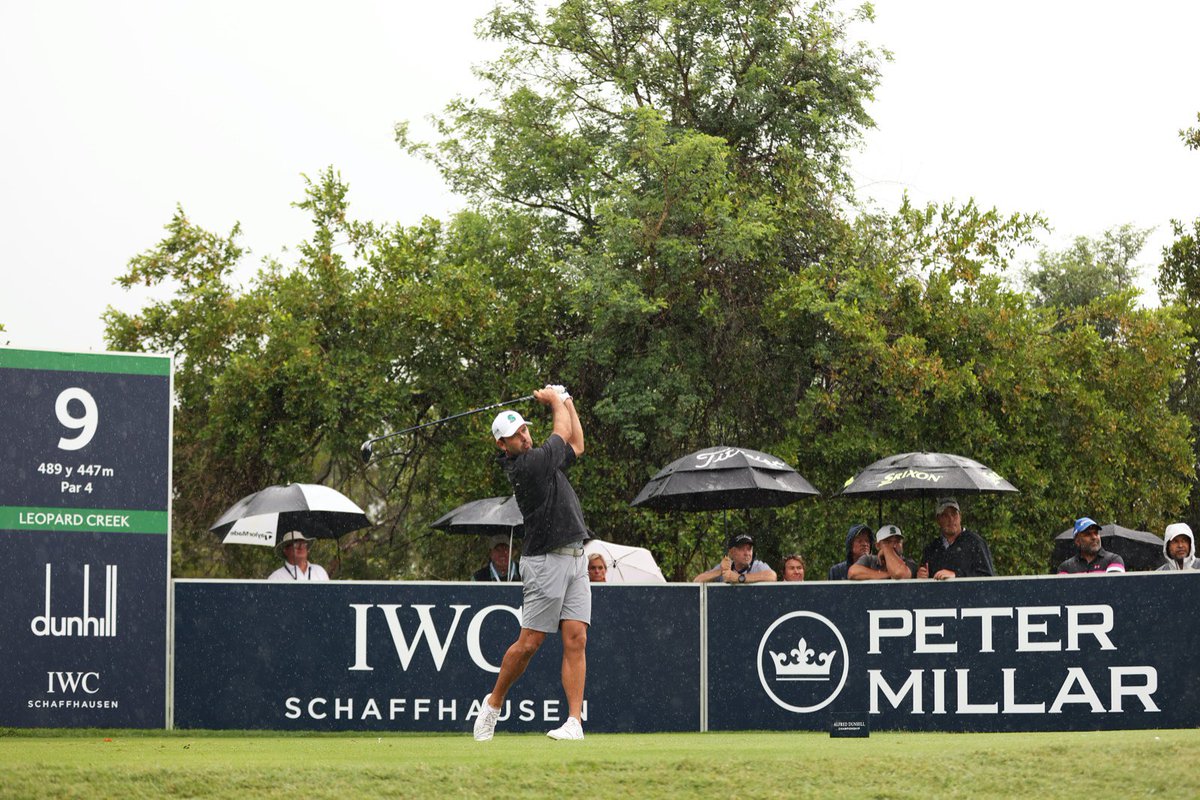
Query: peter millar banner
(84, 538)
(999, 654)
(420, 656)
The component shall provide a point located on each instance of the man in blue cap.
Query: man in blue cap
(1091, 558)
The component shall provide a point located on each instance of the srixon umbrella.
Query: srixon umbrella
(318, 511)
(923, 475)
(722, 478)
(1142, 551)
(486, 517)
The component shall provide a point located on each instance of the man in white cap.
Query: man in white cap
(499, 567)
(1179, 548)
(888, 561)
(557, 595)
(293, 545)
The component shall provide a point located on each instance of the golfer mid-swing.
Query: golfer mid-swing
(557, 595)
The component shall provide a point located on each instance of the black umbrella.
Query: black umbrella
(489, 516)
(317, 511)
(1142, 551)
(924, 475)
(719, 478)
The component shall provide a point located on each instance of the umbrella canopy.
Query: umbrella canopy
(924, 475)
(1142, 551)
(719, 478)
(317, 511)
(625, 564)
(489, 516)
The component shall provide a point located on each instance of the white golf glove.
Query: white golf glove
(563, 394)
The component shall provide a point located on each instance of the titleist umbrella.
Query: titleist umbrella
(317, 511)
(924, 475)
(722, 478)
(489, 516)
(1141, 551)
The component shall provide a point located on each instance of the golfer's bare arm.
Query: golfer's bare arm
(576, 440)
(858, 572)
(563, 419)
(896, 568)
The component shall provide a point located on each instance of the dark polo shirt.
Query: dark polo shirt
(547, 501)
(1103, 562)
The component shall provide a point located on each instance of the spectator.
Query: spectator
(957, 553)
(739, 566)
(793, 567)
(889, 560)
(597, 568)
(500, 567)
(1091, 557)
(1179, 547)
(294, 549)
(858, 544)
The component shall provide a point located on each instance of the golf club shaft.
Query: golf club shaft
(367, 445)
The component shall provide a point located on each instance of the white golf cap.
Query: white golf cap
(887, 532)
(506, 424)
(945, 502)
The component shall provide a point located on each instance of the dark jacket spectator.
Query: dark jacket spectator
(858, 544)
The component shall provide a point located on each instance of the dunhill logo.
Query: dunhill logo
(83, 625)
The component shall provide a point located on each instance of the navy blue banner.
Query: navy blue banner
(1001, 654)
(85, 465)
(83, 630)
(419, 657)
(84, 440)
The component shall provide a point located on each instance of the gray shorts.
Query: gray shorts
(556, 588)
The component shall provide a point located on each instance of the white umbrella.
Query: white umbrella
(625, 564)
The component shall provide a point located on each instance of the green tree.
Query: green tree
(662, 221)
(280, 382)
(1179, 286)
(684, 157)
(1191, 136)
(920, 346)
(1090, 269)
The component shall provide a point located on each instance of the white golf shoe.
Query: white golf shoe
(485, 724)
(571, 729)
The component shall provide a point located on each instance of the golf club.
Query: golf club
(369, 443)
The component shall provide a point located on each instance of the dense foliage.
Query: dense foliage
(662, 221)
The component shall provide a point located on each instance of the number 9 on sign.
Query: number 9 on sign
(86, 425)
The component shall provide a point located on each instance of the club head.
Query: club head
(366, 452)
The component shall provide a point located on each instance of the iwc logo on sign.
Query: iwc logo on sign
(802, 662)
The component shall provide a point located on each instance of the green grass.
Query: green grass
(153, 764)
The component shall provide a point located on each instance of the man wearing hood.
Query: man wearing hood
(858, 544)
(1179, 547)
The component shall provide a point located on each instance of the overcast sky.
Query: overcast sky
(115, 112)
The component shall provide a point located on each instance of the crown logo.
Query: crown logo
(799, 663)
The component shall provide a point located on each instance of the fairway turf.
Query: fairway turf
(153, 764)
